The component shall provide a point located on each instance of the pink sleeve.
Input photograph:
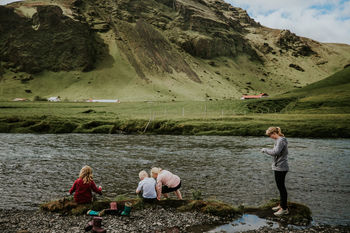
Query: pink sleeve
(95, 189)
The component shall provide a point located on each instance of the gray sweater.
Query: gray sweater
(280, 155)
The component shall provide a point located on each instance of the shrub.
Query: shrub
(38, 98)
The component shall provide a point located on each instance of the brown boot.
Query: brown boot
(96, 228)
(89, 225)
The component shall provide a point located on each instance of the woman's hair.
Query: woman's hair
(143, 174)
(156, 170)
(273, 130)
(86, 174)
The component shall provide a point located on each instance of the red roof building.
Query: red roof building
(262, 95)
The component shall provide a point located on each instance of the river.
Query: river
(36, 168)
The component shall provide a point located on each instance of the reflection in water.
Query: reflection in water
(36, 168)
(245, 223)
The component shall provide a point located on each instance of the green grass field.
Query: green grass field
(187, 118)
(318, 110)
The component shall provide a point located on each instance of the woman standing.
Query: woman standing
(279, 166)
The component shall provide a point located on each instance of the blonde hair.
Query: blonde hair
(273, 130)
(156, 170)
(143, 174)
(86, 174)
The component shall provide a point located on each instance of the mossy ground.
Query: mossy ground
(129, 119)
(299, 214)
(213, 207)
(69, 207)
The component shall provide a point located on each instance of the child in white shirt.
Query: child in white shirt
(147, 186)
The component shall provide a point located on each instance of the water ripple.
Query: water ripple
(36, 168)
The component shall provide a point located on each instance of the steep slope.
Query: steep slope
(330, 95)
(49, 41)
(152, 50)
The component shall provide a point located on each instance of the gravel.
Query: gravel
(318, 229)
(155, 219)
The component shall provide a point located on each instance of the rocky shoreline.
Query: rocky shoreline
(155, 219)
(319, 229)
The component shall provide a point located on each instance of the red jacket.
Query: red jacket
(83, 191)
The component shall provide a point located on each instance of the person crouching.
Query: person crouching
(148, 187)
(167, 182)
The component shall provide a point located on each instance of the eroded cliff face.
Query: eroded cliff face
(154, 31)
(48, 40)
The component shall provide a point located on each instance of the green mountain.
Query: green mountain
(152, 50)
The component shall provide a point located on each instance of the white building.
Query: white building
(54, 99)
(103, 101)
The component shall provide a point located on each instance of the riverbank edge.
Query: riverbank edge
(32, 221)
(243, 126)
(299, 214)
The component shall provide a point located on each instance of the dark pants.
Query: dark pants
(166, 189)
(280, 177)
(149, 200)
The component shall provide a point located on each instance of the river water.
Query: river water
(37, 168)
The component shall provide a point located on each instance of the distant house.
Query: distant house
(54, 99)
(103, 101)
(20, 99)
(262, 95)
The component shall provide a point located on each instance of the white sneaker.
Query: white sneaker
(276, 208)
(281, 212)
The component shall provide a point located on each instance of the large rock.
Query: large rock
(47, 41)
(289, 41)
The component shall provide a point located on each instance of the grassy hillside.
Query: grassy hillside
(330, 95)
(318, 110)
(178, 67)
(153, 50)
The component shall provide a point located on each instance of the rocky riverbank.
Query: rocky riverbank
(319, 229)
(156, 219)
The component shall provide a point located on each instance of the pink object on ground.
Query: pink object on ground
(113, 205)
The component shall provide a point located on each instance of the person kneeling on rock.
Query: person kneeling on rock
(84, 185)
(167, 182)
(148, 187)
